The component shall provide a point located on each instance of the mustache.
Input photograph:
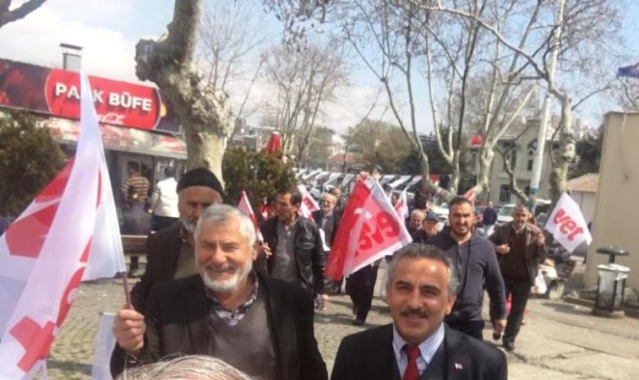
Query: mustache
(226, 267)
(414, 313)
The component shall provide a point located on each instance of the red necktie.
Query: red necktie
(412, 372)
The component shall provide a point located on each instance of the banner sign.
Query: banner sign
(56, 93)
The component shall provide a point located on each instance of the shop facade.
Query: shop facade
(136, 125)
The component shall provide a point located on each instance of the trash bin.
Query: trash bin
(611, 283)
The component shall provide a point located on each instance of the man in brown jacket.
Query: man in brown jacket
(521, 247)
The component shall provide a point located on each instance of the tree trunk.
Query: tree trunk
(202, 111)
(566, 154)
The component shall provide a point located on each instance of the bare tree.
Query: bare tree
(229, 50)
(470, 80)
(304, 82)
(9, 15)
(588, 29)
(201, 109)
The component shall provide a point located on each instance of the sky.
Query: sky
(109, 29)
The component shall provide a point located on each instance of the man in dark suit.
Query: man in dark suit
(327, 220)
(418, 345)
(170, 251)
(261, 326)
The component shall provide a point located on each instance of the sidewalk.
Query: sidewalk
(560, 341)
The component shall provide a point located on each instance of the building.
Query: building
(519, 143)
(136, 125)
(616, 207)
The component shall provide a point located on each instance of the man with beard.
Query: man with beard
(261, 326)
(476, 263)
(521, 247)
(422, 285)
(170, 251)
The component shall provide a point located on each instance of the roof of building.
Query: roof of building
(587, 183)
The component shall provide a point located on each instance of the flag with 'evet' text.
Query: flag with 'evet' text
(567, 225)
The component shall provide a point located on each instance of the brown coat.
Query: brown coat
(535, 252)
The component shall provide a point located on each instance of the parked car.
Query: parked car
(504, 215)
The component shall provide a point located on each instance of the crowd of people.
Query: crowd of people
(210, 288)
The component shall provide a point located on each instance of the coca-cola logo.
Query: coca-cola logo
(111, 118)
(117, 103)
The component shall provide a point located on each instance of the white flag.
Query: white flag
(402, 206)
(567, 225)
(245, 207)
(44, 253)
(308, 204)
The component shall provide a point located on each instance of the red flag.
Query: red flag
(476, 140)
(470, 195)
(274, 144)
(370, 229)
(245, 207)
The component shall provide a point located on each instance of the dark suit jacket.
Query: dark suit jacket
(309, 253)
(162, 250)
(318, 216)
(176, 319)
(369, 355)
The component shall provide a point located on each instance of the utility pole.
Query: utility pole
(545, 116)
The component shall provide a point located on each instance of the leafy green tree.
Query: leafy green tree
(381, 145)
(259, 174)
(29, 160)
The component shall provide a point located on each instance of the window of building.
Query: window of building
(504, 194)
(532, 148)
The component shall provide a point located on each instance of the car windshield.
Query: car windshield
(506, 210)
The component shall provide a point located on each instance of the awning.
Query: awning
(399, 181)
(413, 181)
(119, 138)
(347, 178)
(387, 178)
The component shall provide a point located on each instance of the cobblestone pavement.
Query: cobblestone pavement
(560, 341)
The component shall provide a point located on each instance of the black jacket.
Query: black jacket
(318, 217)
(177, 323)
(162, 251)
(309, 253)
(481, 272)
(369, 355)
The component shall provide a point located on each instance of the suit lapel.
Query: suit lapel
(381, 363)
(458, 362)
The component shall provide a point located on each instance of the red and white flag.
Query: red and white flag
(401, 207)
(471, 195)
(245, 207)
(369, 230)
(567, 225)
(308, 203)
(44, 253)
